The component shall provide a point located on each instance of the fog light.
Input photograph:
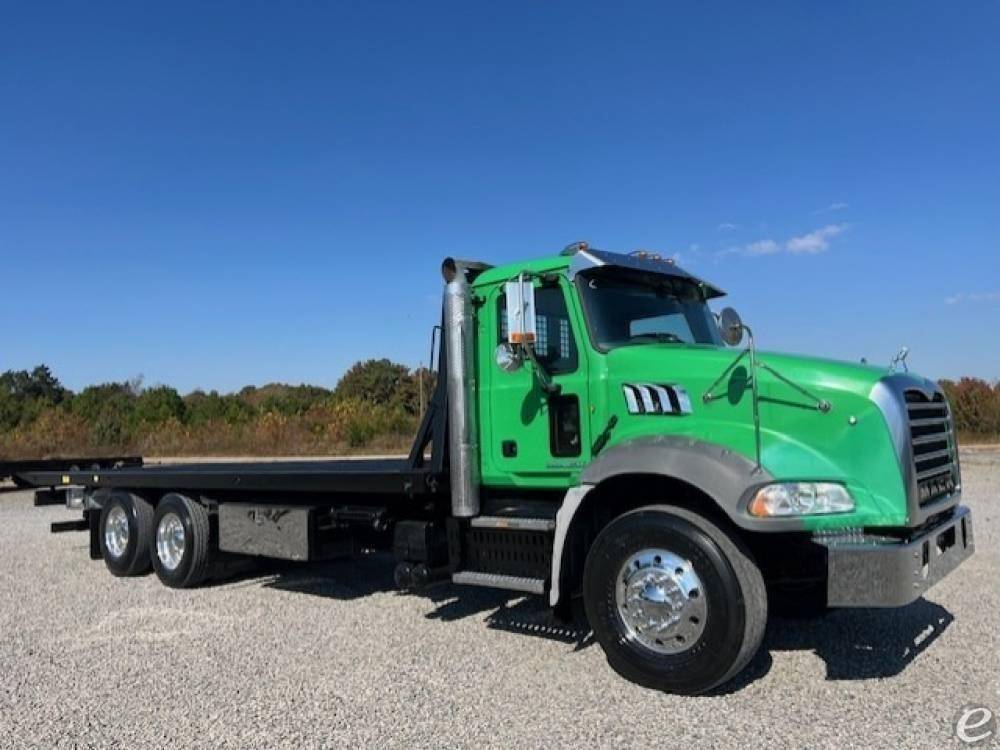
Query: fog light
(800, 499)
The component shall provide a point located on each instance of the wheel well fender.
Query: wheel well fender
(708, 478)
(719, 472)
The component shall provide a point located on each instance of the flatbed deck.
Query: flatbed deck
(375, 475)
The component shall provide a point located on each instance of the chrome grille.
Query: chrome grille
(933, 440)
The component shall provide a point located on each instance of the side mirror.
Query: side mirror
(508, 357)
(520, 311)
(731, 326)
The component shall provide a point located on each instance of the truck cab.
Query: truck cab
(611, 389)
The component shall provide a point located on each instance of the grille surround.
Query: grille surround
(923, 434)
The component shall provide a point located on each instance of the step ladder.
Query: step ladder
(524, 527)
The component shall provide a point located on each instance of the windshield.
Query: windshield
(645, 308)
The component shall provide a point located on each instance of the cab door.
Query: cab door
(534, 437)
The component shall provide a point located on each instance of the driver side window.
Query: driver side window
(556, 345)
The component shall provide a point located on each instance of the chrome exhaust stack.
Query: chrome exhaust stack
(463, 432)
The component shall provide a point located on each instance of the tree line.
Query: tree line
(975, 406)
(375, 406)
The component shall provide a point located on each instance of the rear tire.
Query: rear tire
(125, 521)
(181, 542)
(677, 604)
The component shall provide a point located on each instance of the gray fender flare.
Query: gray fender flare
(722, 474)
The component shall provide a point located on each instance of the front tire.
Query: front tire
(677, 604)
(125, 521)
(181, 542)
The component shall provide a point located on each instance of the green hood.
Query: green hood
(849, 443)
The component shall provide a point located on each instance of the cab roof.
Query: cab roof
(581, 257)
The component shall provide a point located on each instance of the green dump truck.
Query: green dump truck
(597, 433)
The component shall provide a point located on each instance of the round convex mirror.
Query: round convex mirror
(731, 326)
(508, 358)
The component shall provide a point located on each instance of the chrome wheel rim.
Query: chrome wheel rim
(170, 541)
(116, 531)
(661, 601)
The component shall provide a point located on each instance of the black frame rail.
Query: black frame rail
(16, 470)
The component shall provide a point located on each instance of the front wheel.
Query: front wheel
(676, 603)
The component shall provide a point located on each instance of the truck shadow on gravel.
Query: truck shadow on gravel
(855, 644)
(352, 579)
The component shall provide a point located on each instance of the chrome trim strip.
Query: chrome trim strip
(889, 394)
(513, 524)
(564, 518)
(937, 437)
(934, 455)
(497, 581)
(928, 473)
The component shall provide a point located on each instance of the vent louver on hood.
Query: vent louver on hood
(651, 398)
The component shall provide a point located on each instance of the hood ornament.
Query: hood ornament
(899, 360)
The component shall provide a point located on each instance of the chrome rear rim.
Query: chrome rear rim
(661, 601)
(170, 541)
(116, 531)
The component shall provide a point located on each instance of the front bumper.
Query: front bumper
(883, 573)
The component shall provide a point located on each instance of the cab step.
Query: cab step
(512, 523)
(497, 581)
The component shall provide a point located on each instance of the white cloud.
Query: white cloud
(727, 226)
(812, 243)
(762, 247)
(839, 206)
(956, 299)
(817, 241)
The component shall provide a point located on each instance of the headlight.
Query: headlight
(800, 499)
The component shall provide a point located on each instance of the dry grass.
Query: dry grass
(328, 428)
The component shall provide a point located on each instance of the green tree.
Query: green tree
(159, 404)
(975, 405)
(201, 407)
(290, 400)
(109, 408)
(378, 381)
(24, 395)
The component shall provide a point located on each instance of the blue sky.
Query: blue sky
(216, 194)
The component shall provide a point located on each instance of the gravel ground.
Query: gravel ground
(329, 655)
